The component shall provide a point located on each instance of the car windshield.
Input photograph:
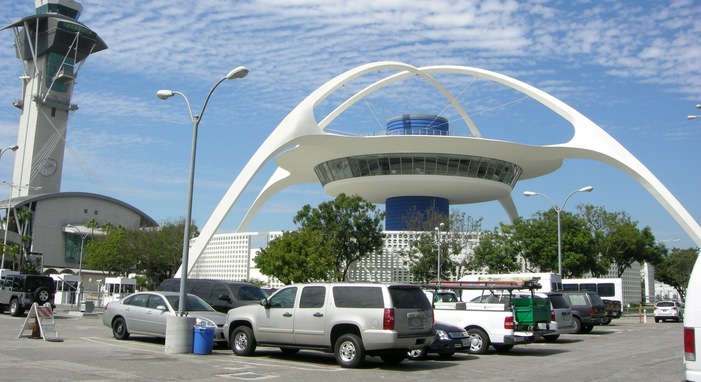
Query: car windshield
(251, 293)
(665, 303)
(193, 304)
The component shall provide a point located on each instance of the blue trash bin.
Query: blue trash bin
(204, 339)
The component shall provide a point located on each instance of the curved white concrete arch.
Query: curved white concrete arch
(300, 128)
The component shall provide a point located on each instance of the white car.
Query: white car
(146, 313)
(668, 310)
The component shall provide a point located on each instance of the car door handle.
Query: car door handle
(287, 314)
(317, 314)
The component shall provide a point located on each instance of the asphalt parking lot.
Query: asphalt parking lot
(626, 350)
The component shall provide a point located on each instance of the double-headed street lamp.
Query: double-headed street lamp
(238, 72)
(438, 243)
(558, 210)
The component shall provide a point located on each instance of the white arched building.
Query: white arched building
(306, 153)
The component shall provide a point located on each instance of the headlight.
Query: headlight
(442, 335)
(199, 321)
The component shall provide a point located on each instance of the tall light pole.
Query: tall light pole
(80, 260)
(559, 210)
(7, 216)
(238, 72)
(438, 243)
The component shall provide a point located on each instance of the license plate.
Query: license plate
(416, 323)
(465, 342)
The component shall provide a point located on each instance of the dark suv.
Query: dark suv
(588, 309)
(19, 292)
(222, 295)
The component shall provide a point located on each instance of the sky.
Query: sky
(632, 67)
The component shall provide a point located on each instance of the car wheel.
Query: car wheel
(447, 353)
(393, 358)
(349, 351)
(417, 354)
(479, 341)
(587, 328)
(42, 295)
(503, 348)
(15, 308)
(242, 341)
(551, 337)
(119, 329)
(608, 321)
(577, 325)
(289, 351)
(657, 320)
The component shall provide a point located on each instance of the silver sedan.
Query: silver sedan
(146, 313)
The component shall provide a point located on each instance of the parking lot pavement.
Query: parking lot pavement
(623, 351)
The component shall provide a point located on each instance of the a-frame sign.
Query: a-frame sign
(40, 322)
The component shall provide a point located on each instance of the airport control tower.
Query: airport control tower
(52, 46)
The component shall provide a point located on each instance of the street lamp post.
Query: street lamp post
(238, 72)
(559, 210)
(7, 214)
(80, 260)
(438, 243)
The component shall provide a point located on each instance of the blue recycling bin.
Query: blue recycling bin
(204, 339)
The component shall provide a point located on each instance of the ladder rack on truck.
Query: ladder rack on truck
(508, 285)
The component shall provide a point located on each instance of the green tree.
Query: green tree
(298, 256)
(496, 252)
(620, 242)
(675, 269)
(351, 225)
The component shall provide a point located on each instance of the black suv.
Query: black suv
(222, 295)
(19, 292)
(588, 309)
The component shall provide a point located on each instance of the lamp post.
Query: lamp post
(695, 116)
(438, 243)
(7, 215)
(80, 261)
(238, 72)
(559, 210)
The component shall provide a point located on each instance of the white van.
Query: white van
(692, 325)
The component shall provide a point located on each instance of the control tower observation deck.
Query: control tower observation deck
(410, 182)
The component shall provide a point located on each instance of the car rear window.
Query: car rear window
(558, 301)
(408, 298)
(665, 303)
(359, 297)
(32, 283)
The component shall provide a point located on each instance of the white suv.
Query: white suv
(351, 320)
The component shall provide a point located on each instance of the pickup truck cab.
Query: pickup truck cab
(351, 320)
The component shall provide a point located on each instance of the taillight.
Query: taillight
(388, 319)
(508, 322)
(674, 309)
(591, 311)
(552, 315)
(689, 344)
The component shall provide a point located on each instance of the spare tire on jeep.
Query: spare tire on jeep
(42, 295)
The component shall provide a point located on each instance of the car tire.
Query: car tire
(243, 343)
(349, 351)
(417, 354)
(15, 308)
(479, 341)
(608, 321)
(587, 328)
(289, 351)
(447, 353)
(42, 295)
(551, 337)
(577, 325)
(657, 320)
(393, 358)
(502, 348)
(119, 329)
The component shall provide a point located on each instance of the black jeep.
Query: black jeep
(19, 292)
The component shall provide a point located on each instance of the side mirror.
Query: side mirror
(265, 303)
(225, 297)
(162, 308)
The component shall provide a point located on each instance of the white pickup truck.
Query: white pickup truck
(487, 323)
